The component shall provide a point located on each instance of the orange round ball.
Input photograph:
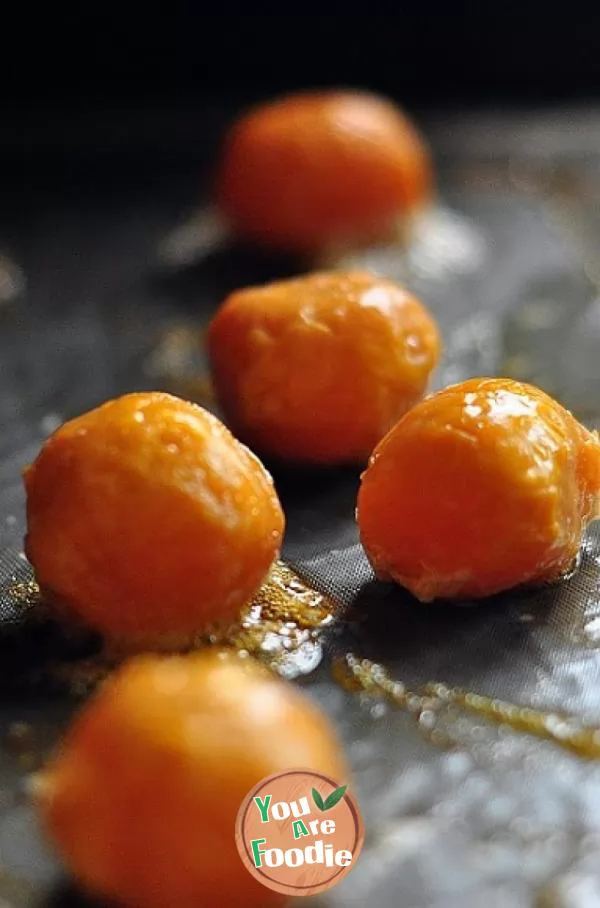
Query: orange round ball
(148, 520)
(141, 801)
(317, 170)
(483, 486)
(317, 369)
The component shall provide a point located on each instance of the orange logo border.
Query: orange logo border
(263, 877)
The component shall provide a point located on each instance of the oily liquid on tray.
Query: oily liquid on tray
(567, 731)
(282, 627)
(283, 624)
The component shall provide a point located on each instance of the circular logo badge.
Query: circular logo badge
(299, 832)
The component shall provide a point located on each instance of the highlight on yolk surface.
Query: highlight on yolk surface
(481, 487)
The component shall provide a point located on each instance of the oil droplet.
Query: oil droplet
(283, 624)
(363, 676)
(562, 729)
(566, 731)
(18, 599)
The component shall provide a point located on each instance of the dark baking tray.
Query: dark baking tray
(500, 818)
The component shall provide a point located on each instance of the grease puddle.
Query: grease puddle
(281, 627)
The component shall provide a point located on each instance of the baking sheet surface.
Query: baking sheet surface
(500, 818)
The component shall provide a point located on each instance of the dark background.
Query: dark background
(425, 52)
(100, 98)
(100, 86)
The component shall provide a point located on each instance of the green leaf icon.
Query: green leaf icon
(318, 799)
(335, 797)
